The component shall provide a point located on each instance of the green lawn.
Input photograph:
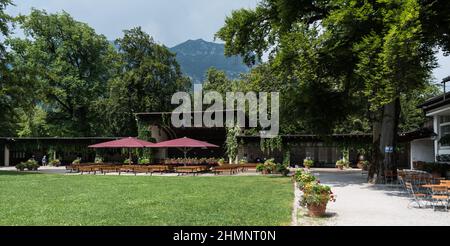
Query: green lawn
(40, 199)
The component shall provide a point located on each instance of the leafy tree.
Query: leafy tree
(9, 90)
(338, 55)
(435, 19)
(34, 124)
(148, 77)
(4, 20)
(71, 65)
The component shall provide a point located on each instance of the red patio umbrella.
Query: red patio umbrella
(130, 143)
(184, 144)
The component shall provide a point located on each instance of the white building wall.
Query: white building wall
(436, 130)
(6, 156)
(422, 150)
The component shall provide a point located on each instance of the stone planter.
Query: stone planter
(317, 210)
(340, 167)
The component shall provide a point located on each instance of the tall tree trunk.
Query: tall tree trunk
(376, 154)
(388, 139)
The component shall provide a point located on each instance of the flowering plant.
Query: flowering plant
(304, 179)
(316, 194)
(308, 163)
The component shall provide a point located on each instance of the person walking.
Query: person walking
(44, 160)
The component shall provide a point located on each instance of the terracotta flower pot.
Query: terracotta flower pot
(317, 210)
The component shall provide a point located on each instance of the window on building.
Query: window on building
(445, 128)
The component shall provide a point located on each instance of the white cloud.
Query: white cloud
(169, 22)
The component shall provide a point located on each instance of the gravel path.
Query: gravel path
(362, 204)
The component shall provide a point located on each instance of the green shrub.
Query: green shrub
(30, 165)
(260, 167)
(287, 159)
(143, 161)
(76, 161)
(282, 169)
(128, 161)
(21, 166)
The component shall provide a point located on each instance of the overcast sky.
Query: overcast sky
(169, 21)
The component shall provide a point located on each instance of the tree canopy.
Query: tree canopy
(148, 75)
(70, 65)
(338, 58)
(10, 90)
(77, 83)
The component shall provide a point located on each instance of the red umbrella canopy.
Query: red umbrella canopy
(123, 143)
(184, 143)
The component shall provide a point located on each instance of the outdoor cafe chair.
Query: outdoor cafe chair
(390, 177)
(416, 196)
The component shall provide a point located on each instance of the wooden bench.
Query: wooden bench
(88, 169)
(194, 170)
(161, 168)
(231, 169)
(109, 169)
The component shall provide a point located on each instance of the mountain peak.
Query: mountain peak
(197, 56)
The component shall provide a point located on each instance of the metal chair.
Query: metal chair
(417, 197)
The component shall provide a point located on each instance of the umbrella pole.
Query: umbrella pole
(129, 153)
(185, 155)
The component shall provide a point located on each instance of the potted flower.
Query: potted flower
(221, 162)
(364, 165)
(31, 165)
(55, 163)
(340, 164)
(269, 166)
(308, 163)
(98, 160)
(316, 197)
(304, 179)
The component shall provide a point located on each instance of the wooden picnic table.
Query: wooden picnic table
(232, 169)
(435, 185)
(190, 169)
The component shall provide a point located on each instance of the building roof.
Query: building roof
(311, 137)
(435, 102)
(417, 134)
